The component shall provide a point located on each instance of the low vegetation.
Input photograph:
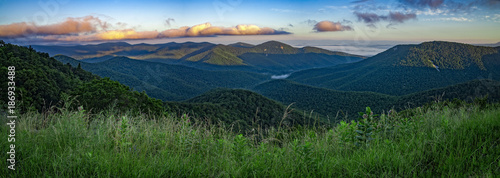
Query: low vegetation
(451, 139)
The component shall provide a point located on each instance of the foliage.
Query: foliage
(366, 127)
(100, 94)
(40, 80)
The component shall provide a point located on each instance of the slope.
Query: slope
(178, 82)
(406, 69)
(241, 108)
(42, 82)
(335, 105)
(332, 104)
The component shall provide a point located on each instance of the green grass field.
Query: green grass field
(451, 141)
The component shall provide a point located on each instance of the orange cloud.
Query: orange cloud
(126, 34)
(91, 28)
(86, 24)
(207, 29)
(329, 26)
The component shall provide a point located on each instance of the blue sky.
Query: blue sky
(72, 21)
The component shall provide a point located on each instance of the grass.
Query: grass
(436, 141)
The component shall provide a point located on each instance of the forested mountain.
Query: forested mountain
(406, 69)
(241, 108)
(335, 105)
(332, 104)
(271, 57)
(164, 81)
(42, 82)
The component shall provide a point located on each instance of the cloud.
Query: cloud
(284, 76)
(398, 17)
(492, 4)
(126, 34)
(433, 4)
(92, 29)
(310, 22)
(368, 17)
(86, 24)
(449, 5)
(168, 21)
(456, 19)
(329, 26)
(392, 17)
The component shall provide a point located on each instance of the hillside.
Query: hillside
(43, 82)
(164, 81)
(269, 57)
(242, 108)
(332, 104)
(406, 69)
(335, 105)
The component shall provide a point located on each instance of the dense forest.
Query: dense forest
(42, 82)
(242, 109)
(447, 55)
(164, 81)
(344, 105)
(400, 70)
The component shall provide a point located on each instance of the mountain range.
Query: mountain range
(186, 78)
(405, 69)
(269, 57)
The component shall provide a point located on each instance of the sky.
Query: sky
(320, 23)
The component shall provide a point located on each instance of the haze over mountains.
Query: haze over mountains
(331, 84)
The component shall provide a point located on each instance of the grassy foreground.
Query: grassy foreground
(437, 141)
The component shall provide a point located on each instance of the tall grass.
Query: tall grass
(439, 141)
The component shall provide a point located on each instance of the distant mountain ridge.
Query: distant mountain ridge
(271, 56)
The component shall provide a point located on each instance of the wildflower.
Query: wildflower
(80, 108)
